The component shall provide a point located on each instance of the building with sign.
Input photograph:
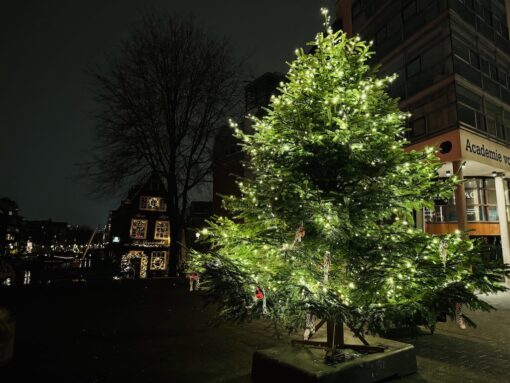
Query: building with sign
(452, 58)
(139, 231)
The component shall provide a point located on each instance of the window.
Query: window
(494, 119)
(481, 200)
(162, 230)
(409, 10)
(484, 66)
(356, 9)
(491, 126)
(159, 260)
(9, 237)
(467, 3)
(381, 35)
(460, 48)
(138, 228)
(480, 194)
(502, 78)
(487, 15)
(470, 109)
(504, 31)
(506, 124)
(494, 72)
(499, 25)
(413, 67)
(444, 211)
(418, 127)
(152, 203)
(474, 59)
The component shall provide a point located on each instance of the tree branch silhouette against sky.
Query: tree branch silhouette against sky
(46, 103)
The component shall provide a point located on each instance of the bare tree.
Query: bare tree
(163, 98)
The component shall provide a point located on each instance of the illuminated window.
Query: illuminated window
(152, 203)
(139, 228)
(159, 260)
(162, 230)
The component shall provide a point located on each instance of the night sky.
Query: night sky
(46, 105)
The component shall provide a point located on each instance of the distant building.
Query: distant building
(45, 236)
(228, 157)
(139, 231)
(52, 237)
(257, 93)
(10, 225)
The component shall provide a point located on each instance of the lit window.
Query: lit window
(139, 228)
(162, 230)
(158, 260)
(152, 203)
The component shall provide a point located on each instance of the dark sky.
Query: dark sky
(46, 105)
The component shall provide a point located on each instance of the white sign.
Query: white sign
(482, 150)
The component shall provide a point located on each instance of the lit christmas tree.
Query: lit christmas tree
(325, 228)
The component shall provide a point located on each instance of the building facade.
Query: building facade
(139, 231)
(227, 155)
(452, 58)
(10, 225)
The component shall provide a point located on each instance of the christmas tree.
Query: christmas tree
(324, 229)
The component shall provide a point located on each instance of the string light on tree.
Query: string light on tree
(328, 159)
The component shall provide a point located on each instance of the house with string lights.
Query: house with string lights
(139, 231)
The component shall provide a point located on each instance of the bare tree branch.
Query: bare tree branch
(163, 99)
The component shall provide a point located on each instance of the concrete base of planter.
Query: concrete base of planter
(304, 364)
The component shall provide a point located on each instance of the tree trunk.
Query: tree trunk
(335, 334)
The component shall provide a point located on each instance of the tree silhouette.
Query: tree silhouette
(163, 98)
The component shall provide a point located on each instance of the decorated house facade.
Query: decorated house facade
(139, 231)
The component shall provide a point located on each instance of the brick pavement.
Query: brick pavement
(476, 355)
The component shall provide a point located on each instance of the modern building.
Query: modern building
(227, 155)
(197, 215)
(452, 58)
(139, 231)
(10, 224)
